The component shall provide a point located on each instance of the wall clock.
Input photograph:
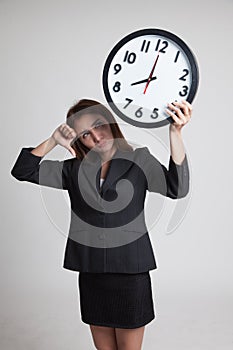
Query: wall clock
(144, 71)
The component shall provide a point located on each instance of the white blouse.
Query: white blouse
(101, 181)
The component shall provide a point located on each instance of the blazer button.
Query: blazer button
(101, 236)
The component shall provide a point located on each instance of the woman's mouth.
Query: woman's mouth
(101, 144)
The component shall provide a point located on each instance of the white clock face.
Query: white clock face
(146, 70)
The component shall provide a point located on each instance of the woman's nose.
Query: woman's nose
(96, 135)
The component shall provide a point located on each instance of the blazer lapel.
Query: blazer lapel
(119, 165)
(91, 169)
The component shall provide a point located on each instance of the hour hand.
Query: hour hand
(143, 81)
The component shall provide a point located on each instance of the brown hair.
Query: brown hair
(86, 106)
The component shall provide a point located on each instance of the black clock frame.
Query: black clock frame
(129, 37)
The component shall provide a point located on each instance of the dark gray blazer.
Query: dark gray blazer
(107, 230)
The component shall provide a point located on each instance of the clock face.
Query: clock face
(146, 70)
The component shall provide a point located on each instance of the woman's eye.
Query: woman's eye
(84, 135)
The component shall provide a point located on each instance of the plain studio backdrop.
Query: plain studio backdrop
(52, 54)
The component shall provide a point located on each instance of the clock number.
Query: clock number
(184, 92)
(117, 68)
(157, 46)
(177, 55)
(130, 57)
(145, 46)
(186, 72)
(155, 113)
(163, 48)
(117, 86)
(138, 113)
(129, 101)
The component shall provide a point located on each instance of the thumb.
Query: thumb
(72, 151)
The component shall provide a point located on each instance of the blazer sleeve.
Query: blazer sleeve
(51, 173)
(172, 182)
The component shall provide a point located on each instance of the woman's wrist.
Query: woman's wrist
(52, 141)
(174, 130)
(45, 147)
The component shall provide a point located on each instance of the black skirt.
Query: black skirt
(119, 300)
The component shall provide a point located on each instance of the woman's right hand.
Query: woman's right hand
(63, 136)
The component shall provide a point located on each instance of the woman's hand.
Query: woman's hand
(63, 136)
(181, 113)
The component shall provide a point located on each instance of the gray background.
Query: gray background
(52, 54)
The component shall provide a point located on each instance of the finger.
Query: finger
(188, 105)
(188, 108)
(72, 131)
(62, 128)
(72, 151)
(174, 116)
(177, 111)
(66, 133)
(183, 108)
(69, 132)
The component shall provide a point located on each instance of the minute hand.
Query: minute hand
(151, 73)
(143, 81)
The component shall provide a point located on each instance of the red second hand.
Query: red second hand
(151, 73)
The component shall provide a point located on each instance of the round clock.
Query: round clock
(146, 70)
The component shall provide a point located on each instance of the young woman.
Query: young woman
(108, 242)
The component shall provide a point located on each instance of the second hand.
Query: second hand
(151, 73)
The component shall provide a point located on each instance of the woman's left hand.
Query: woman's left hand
(182, 115)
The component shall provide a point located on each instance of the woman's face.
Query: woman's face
(94, 132)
